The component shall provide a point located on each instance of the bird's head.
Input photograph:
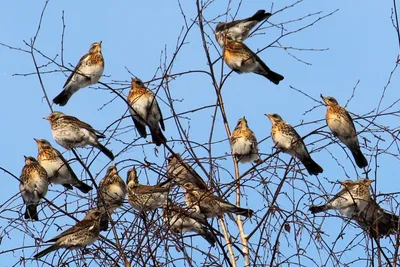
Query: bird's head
(329, 100)
(29, 160)
(42, 143)
(132, 176)
(54, 115)
(95, 47)
(274, 118)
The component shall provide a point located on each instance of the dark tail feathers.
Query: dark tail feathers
(63, 97)
(273, 76)
(31, 212)
(157, 136)
(84, 188)
(104, 222)
(45, 251)
(260, 15)
(317, 209)
(105, 150)
(210, 237)
(244, 212)
(361, 161)
(312, 167)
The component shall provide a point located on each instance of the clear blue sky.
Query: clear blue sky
(361, 46)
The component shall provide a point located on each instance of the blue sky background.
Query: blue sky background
(361, 45)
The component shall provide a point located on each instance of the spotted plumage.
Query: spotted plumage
(87, 72)
(244, 143)
(144, 197)
(350, 201)
(210, 205)
(112, 192)
(58, 169)
(84, 233)
(341, 125)
(180, 219)
(70, 132)
(286, 138)
(242, 60)
(144, 110)
(239, 30)
(33, 186)
(181, 172)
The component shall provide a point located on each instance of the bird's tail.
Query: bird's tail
(210, 237)
(317, 209)
(361, 161)
(157, 136)
(105, 150)
(272, 76)
(45, 251)
(63, 97)
(240, 211)
(68, 186)
(104, 222)
(84, 188)
(31, 212)
(312, 167)
(260, 15)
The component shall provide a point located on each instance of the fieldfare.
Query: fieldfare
(144, 197)
(58, 169)
(84, 233)
(341, 125)
(352, 199)
(242, 60)
(239, 30)
(286, 138)
(210, 205)
(88, 71)
(69, 132)
(181, 220)
(376, 221)
(244, 143)
(144, 110)
(180, 172)
(112, 192)
(33, 186)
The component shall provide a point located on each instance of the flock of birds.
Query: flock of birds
(354, 200)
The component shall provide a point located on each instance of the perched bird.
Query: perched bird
(341, 125)
(88, 71)
(58, 169)
(376, 221)
(112, 192)
(244, 143)
(181, 172)
(180, 220)
(286, 138)
(350, 201)
(69, 132)
(210, 205)
(239, 30)
(242, 60)
(144, 110)
(144, 197)
(84, 233)
(33, 186)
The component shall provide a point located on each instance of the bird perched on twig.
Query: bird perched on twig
(112, 192)
(33, 186)
(239, 30)
(244, 143)
(84, 233)
(88, 71)
(144, 197)
(242, 60)
(181, 172)
(352, 199)
(69, 132)
(341, 125)
(58, 169)
(180, 220)
(286, 138)
(145, 111)
(210, 205)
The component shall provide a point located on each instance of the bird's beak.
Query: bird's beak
(101, 42)
(25, 157)
(46, 118)
(36, 140)
(323, 98)
(269, 116)
(369, 182)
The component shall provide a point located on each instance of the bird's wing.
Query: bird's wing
(83, 58)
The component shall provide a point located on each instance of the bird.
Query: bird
(351, 200)
(239, 30)
(58, 169)
(210, 205)
(82, 234)
(286, 138)
(342, 126)
(33, 186)
(88, 71)
(180, 220)
(144, 111)
(181, 172)
(111, 195)
(144, 197)
(376, 221)
(242, 60)
(244, 143)
(70, 132)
